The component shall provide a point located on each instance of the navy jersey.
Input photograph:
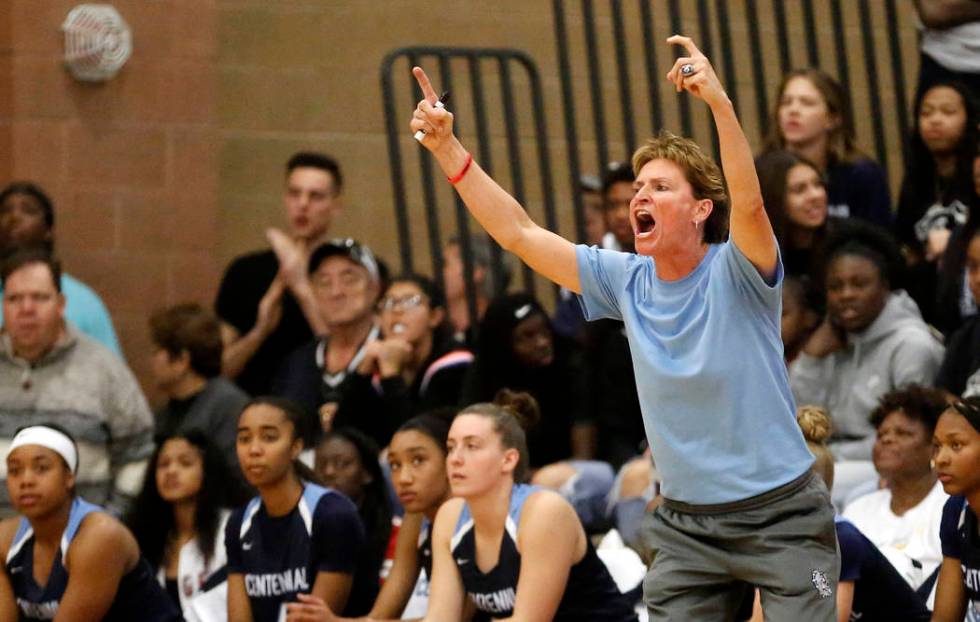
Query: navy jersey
(280, 556)
(958, 534)
(590, 593)
(880, 593)
(139, 596)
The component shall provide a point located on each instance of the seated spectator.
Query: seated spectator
(869, 588)
(937, 189)
(295, 538)
(27, 219)
(265, 301)
(66, 558)
(799, 317)
(957, 447)
(796, 200)
(186, 368)
(416, 367)
(179, 522)
(321, 375)
(49, 371)
(486, 282)
(811, 117)
(903, 518)
(347, 461)
(958, 372)
(519, 350)
(871, 341)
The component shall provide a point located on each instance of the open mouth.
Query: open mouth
(644, 222)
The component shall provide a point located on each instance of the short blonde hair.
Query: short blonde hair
(699, 170)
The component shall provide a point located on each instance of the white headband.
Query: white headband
(54, 440)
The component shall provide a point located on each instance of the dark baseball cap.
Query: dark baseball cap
(349, 248)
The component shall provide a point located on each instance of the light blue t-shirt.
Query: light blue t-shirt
(85, 309)
(713, 387)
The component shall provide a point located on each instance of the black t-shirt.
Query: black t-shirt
(880, 593)
(244, 284)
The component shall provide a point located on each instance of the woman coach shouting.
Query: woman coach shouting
(701, 310)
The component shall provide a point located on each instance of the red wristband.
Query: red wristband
(466, 167)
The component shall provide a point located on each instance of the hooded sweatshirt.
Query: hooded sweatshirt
(897, 349)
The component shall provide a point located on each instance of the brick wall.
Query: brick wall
(131, 164)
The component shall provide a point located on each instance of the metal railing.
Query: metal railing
(822, 34)
(516, 77)
(616, 93)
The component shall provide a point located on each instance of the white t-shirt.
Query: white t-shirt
(904, 540)
(956, 48)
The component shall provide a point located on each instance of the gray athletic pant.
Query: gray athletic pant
(707, 557)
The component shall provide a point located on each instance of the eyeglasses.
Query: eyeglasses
(401, 304)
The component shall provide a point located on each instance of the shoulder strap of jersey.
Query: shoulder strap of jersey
(24, 533)
(518, 495)
(250, 511)
(424, 531)
(463, 525)
(307, 503)
(80, 508)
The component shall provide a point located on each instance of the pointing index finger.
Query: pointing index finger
(427, 91)
(692, 50)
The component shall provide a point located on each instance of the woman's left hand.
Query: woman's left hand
(700, 79)
(309, 609)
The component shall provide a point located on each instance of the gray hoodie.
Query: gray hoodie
(897, 349)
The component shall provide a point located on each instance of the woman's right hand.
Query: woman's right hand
(435, 121)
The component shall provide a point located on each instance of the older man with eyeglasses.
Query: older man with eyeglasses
(320, 375)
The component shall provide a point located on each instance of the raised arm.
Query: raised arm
(750, 229)
(499, 213)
